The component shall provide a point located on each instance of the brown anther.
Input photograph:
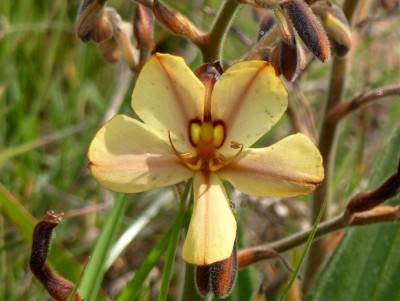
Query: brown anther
(58, 288)
(236, 145)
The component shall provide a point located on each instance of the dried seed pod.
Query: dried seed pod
(178, 24)
(58, 287)
(218, 278)
(308, 28)
(143, 24)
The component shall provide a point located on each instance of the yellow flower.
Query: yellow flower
(191, 129)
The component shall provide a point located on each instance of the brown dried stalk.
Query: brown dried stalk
(344, 108)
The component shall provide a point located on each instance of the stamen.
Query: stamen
(222, 161)
(185, 156)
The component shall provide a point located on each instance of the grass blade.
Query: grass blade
(96, 268)
(170, 257)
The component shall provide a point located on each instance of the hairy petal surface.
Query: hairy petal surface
(250, 99)
(128, 156)
(212, 228)
(290, 167)
(168, 95)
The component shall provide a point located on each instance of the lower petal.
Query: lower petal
(212, 228)
(128, 156)
(290, 167)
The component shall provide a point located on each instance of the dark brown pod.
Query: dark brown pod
(308, 28)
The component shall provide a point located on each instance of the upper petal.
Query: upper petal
(290, 167)
(127, 156)
(168, 95)
(249, 98)
(212, 228)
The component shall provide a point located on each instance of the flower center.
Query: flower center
(207, 137)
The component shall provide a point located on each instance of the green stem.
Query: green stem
(212, 52)
(326, 146)
(170, 256)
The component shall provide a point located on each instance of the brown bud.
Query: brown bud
(368, 200)
(143, 23)
(111, 51)
(218, 277)
(335, 24)
(289, 61)
(308, 28)
(93, 22)
(378, 214)
(267, 23)
(57, 287)
(223, 275)
(178, 24)
(202, 280)
(284, 26)
(274, 57)
(390, 5)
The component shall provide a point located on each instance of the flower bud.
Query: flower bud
(93, 22)
(290, 60)
(178, 24)
(267, 23)
(143, 27)
(336, 25)
(274, 57)
(308, 28)
(111, 51)
(218, 277)
(284, 26)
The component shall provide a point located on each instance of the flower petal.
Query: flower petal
(168, 95)
(289, 167)
(212, 228)
(249, 98)
(127, 156)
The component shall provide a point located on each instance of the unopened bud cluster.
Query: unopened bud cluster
(321, 28)
(104, 26)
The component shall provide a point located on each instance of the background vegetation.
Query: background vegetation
(55, 92)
